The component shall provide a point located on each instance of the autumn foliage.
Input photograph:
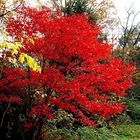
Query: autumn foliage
(78, 72)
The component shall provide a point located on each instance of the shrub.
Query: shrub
(77, 73)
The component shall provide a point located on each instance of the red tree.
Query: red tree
(79, 73)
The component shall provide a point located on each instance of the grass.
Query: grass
(122, 132)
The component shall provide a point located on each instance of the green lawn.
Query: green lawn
(122, 132)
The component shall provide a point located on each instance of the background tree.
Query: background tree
(7, 8)
(128, 49)
(131, 34)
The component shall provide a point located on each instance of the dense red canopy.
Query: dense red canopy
(79, 73)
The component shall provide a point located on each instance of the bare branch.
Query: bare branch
(3, 116)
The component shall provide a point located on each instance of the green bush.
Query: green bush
(122, 132)
(133, 102)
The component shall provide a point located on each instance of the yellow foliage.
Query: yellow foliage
(14, 52)
(11, 47)
(31, 40)
(30, 62)
(21, 58)
(4, 35)
(14, 49)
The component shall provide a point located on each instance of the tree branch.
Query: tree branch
(14, 9)
(5, 112)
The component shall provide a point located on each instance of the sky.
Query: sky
(123, 5)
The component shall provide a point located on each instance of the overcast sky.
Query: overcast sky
(123, 5)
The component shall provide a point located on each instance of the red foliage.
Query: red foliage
(79, 73)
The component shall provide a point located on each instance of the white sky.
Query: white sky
(123, 5)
